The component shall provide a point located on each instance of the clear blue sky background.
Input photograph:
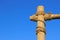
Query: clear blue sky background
(16, 25)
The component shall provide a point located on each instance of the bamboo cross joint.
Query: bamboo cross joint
(40, 17)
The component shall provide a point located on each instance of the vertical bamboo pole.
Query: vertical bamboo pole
(40, 24)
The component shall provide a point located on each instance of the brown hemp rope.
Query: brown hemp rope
(40, 29)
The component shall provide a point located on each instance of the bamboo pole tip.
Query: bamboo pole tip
(40, 8)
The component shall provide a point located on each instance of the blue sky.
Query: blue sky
(15, 23)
